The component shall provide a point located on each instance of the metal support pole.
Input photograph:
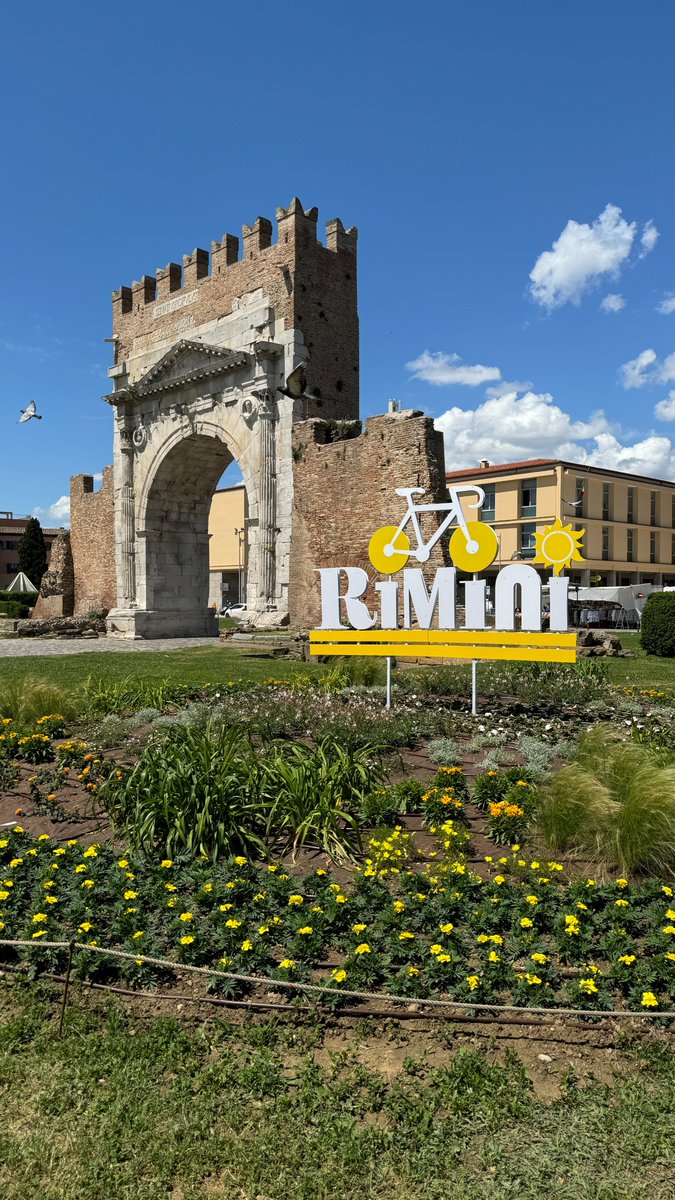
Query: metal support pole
(388, 704)
(474, 688)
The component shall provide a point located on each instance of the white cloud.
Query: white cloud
(667, 305)
(634, 374)
(56, 514)
(612, 303)
(441, 369)
(665, 409)
(648, 239)
(505, 387)
(580, 257)
(511, 428)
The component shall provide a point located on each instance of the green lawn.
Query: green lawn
(198, 665)
(142, 1108)
(644, 670)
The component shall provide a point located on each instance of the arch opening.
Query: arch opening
(176, 529)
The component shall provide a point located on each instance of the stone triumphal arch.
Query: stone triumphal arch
(200, 357)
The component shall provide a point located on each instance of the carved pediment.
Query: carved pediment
(188, 362)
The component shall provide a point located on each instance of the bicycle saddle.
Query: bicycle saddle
(410, 491)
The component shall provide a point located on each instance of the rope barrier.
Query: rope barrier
(319, 988)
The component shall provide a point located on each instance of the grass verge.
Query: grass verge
(129, 1107)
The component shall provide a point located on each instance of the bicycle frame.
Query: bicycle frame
(454, 513)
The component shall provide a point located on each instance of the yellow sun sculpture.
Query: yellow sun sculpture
(558, 546)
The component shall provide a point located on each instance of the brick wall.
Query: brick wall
(344, 491)
(92, 541)
(311, 286)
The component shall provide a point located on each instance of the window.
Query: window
(487, 512)
(630, 511)
(605, 542)
(12, 569)
(652, 547)
(579, 497)
(605, 502)
(630, 544)
(528, 499)
(652, 508)
(11, 545)
(527, 542)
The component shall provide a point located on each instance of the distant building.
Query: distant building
(629, 519)
(11, 532)
(227, 546)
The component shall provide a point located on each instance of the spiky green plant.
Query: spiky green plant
(25, 700)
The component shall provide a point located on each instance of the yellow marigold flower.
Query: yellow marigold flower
(138, 934)
(225, 962)
(272, 868)
(16, 862)
(405, 936)
(240, 861)
(39, 933)
(122, 862)
(172, 902)
(49, 883)
(499, 879)
(88, 883)
(44, 837)
(187, 940)
(296, 900)
(225, 907)
(667, 891)
(318, 908)
(85, 927)
(247, 945)
(443, 958)
(526, 923)
(671, 914)
(39, 917)
(233, 923)
(129, 895)
(669, 954)
(532, 900)
(288, 964)
(339, 976)
(340, 899)
(170, 887)
(649, 1000)
(186, 916)
(208, 887)
(130, 910)
(80, 868)
(473, 982)
(51, 899)
(622, 883)
(413, 971)
(358, 928)
(307, 929)
(320, 871)
(263, 929)
(398, 906)
(90, 852)
(447, 928)
(588, 986)
(436, 949)
(276, 921)
(628, 959)
(493, 957)
(582, 906)
(61, 850)
(669, 929)
(532, 980)
(364, 948)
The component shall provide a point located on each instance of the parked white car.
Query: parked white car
(236, 611)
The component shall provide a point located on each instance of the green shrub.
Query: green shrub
(13, 609)
(444, 752)
(657, 629)
(615, 803)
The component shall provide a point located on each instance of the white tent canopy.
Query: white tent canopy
(632, 597)
(22, 584)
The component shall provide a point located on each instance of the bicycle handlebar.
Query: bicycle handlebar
(410, 491)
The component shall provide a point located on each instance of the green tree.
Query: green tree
(33, 552)
(657, 628)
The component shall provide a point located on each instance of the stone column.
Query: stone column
(127, 523)
(268, 499)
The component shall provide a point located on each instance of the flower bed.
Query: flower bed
(408, 924)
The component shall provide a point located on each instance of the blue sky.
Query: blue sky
(466, 141)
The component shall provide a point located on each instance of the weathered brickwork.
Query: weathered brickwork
(306, 287)
(344, 490)
(92, 541)
(57, 590)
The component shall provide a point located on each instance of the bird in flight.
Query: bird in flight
(296, 387)
(28, 413)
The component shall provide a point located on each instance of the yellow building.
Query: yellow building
(629, 520)
(227, 546)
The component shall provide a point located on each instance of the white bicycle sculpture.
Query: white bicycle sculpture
(473, 545)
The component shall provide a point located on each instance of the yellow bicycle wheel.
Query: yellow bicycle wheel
(479, 552)
(385, 557)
